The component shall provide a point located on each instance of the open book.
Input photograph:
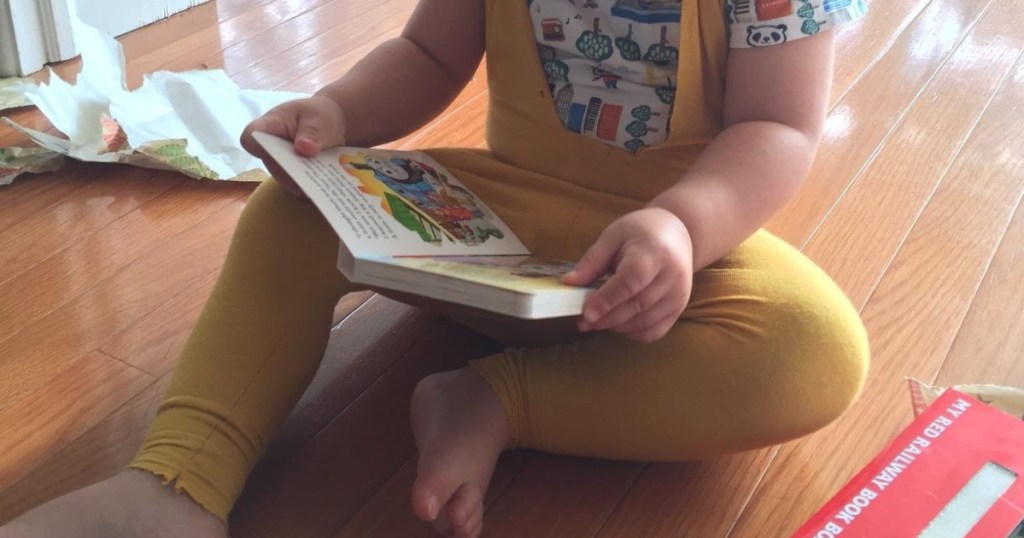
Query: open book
(408, 225)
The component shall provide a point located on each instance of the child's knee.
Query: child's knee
(822, 345)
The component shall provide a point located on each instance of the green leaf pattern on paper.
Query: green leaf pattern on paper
(176, 156)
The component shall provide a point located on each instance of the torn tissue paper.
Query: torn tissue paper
(189, 122)
(12, 92)
(17, 161)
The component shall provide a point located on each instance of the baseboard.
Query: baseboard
(36, 32)
(131, 14)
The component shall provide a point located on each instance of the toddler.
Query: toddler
(648, 139)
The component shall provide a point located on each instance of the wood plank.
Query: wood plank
(877, 212)
(861, 44)
(98, 454)
(92, 255)
(463, 127)
(153, 344)
(912, 317)
(476, 88)
(85, 392)
(305, 60)
(388, 513)
(194, 35)
(167, 32)
(27, 117)
(40, 350)
(321, 485)
(228, 9)
(64, 223)
(263, 16)
(329, 22)
(163, 36)
(30, 194)
(558, 496)
(227, 23)
(349, 304)
(254, 34)
(862, 121)
(988, 346)
(688, 499)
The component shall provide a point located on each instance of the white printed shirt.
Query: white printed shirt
(611, 64)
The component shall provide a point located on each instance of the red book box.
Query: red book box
(954, 472)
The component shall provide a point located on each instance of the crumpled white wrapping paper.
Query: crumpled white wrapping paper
(189, 122)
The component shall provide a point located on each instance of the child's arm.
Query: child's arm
(775, 104)
(397, 88)
(407, 81)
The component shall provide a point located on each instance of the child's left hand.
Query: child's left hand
(651, 257)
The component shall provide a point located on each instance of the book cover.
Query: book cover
(954, 472)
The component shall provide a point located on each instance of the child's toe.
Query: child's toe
(431, 493)
(479, 529)
(466, 510)
(476, 525)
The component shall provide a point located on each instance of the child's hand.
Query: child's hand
(650, 254)
(313, 124)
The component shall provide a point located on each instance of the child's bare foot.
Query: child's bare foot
(130, 504)
(460, 428)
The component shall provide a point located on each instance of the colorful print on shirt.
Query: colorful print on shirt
(611, 66)
(762, 23)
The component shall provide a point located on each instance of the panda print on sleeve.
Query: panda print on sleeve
(764, 35)
(763, 23)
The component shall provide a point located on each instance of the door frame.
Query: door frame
(34, 33)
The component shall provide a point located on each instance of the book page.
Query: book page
(395, 203)
(523, 274)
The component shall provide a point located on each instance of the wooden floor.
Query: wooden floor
(912, 206)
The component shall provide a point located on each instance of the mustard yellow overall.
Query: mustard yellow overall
(768, 349)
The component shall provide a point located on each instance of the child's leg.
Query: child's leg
(768, 350)
(254, 350)
(251, 355)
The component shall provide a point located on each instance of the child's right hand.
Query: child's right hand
(313, 124)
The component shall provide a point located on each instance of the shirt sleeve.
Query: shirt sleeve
(762, 23)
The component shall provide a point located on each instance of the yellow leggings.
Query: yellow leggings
(769, 349)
